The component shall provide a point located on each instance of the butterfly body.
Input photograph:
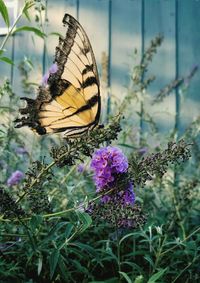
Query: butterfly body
(70, 101)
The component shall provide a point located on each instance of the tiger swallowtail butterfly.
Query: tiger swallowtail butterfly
(70, 100)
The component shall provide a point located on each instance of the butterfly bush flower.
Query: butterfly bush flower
(15, 178)
(142, 150)
(52, 70)
(81, 168)
(106, 163)
(21, 150)
(124, 197)
(111, 176)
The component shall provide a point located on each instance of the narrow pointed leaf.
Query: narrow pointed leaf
(26, 13)
(53, 261)
(31, 29)
(156, 276)
(6, 60)
(4, 13)
(39, 269)
(139, 279)
(126, 277)
(85, 219)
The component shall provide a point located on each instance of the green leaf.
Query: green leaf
(127, 145)
(35, 221)
(55, 229)
(134, 235)
(4, 13)
(156, 276)
(53, 261)
(28, 5)
(63, 269)
(111, 280)
(32, 29)
(139, 279)
(88, 249)
(68, 230)
(39, 269)
(56, 34)
(149, 259)
(26, 13)
(85, 219)
(7, 60)
(128, 279)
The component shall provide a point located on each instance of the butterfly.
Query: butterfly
(69, 99)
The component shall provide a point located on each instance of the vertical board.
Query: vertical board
(189, 56)
(30, 46)
(160, 19)
(56, 13)
(126, 36)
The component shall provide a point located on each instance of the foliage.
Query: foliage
(48, 233)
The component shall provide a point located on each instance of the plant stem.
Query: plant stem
(11, 29)
(118, 249)
(55, 214)
(189, 236)
(38, 178)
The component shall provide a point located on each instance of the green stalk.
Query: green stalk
(118, 249)
(189, 236)
(59, 213)
(12, 28)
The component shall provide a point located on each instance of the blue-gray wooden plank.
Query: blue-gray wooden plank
(160, 19)
(28, 45)
(189, 56)
(126, 36)
(56, 13)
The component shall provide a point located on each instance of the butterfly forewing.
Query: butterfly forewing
(71, 101)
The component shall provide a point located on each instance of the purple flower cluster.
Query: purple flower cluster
(15, 178)
(21, 150)
(53, 69)
(106, 163)
(124, 197)
(109, 163)
(143, 150)
(81, 168)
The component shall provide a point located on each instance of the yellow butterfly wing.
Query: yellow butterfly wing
(70, 103)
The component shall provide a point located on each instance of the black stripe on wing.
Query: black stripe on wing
(89, 82)
(89, 104)
(88, 68)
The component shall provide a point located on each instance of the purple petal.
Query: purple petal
(143, 150)
(45, 79)
(53, 69)
(21, 150)
(15, 178)
(81, 168)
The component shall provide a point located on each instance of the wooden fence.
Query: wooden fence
(117, 27)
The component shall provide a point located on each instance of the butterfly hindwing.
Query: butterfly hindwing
(70, 102)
